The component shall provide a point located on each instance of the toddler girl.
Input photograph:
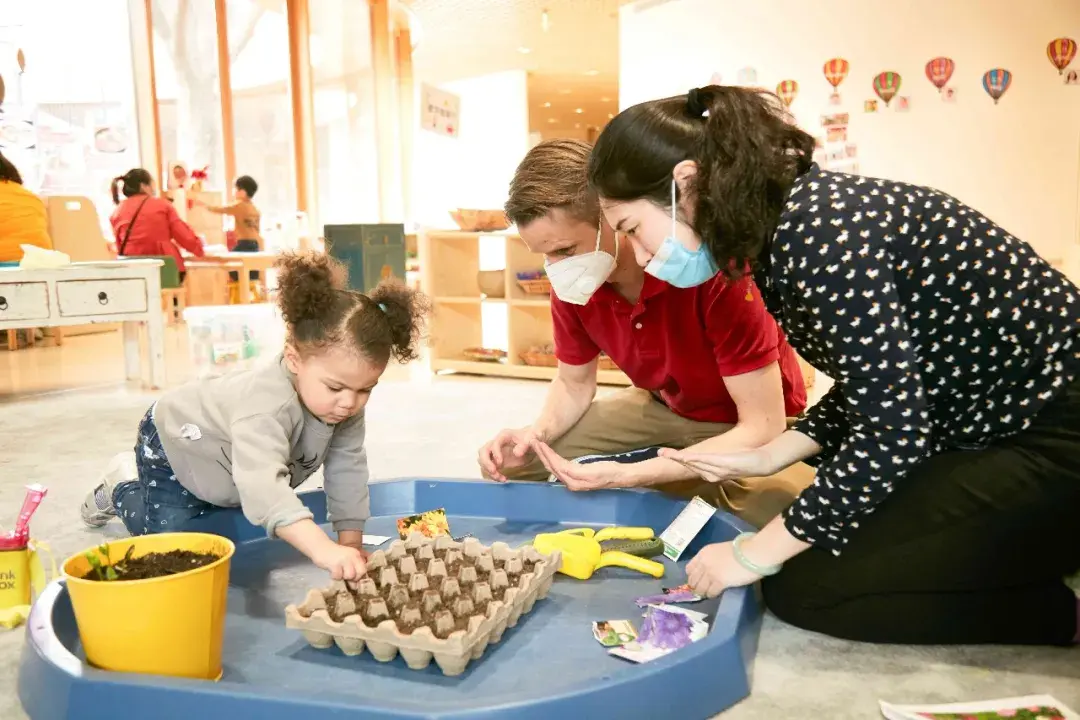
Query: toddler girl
(250, 437)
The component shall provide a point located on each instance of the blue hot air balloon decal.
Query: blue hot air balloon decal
(995, 82)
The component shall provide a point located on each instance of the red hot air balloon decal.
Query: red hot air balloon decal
(939, 71)
(886, 85)
(1061, 52)
(835, 71)
(787, 90)
(996, 82)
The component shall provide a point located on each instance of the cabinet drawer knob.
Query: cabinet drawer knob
(3, 303)
(103, 297)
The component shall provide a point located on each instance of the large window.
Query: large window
(262, 110)
(188, 87)
(346, 155)
(68, 116)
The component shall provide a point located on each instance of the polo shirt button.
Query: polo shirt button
(638, 326)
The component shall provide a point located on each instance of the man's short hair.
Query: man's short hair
(553, 175)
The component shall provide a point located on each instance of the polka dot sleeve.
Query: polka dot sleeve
(874, 424)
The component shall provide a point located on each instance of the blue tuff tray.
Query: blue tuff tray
(549, 666)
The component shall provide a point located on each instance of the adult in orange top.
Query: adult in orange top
(22, 215)
(144, 224)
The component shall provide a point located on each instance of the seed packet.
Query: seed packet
(665, 629)
(680, 594)
(429, 524)
(612, 633)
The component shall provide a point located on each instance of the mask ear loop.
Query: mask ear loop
(674, 222)
(598, 229)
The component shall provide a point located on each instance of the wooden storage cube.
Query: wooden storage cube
(455, 326)
(449, 263)
(530, 326)
(520, 259)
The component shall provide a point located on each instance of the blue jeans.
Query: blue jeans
(156, 502)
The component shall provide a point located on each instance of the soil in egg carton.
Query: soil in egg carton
(401, 601)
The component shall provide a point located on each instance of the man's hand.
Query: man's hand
(509, 449)
(593, 476)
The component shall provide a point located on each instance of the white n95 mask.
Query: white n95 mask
(577, 278)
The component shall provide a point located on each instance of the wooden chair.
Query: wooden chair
(173, 294)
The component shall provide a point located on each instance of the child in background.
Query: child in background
(249, 438)
(247, 218)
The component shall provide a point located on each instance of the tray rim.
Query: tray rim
(45, 659)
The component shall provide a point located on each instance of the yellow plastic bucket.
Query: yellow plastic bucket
(172, 625)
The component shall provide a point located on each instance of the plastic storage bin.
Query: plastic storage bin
(224, 338)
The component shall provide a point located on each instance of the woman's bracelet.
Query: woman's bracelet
(763, 570)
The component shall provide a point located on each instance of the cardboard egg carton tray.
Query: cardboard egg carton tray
(428, 599)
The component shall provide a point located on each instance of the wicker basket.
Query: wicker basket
(543, 359)
(539, 286)
(539, 359)
(489, 355)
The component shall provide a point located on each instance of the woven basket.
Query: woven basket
(539, 359)
(539, 286)
(542, 359)
(484, 355)
(607, 363)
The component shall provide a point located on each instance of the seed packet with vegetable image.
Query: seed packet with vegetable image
(612, 633)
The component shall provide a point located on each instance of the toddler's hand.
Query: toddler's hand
(341, 561)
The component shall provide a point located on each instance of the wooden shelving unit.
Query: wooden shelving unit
(449, 265)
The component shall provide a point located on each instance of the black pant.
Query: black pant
(971, 547)
(245, 246)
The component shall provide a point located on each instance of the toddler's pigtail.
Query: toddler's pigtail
(405, 312)
(310, 297)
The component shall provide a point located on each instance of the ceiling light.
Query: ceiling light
(610, 116)
(592, 72)
(577, 125)
(545, 21)
(552, 120)
(524, 50)
(547, 104)
(578, 111)
(605, 99)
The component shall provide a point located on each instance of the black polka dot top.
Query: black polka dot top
(941, 330)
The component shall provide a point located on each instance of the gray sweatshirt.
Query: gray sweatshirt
(246, 439)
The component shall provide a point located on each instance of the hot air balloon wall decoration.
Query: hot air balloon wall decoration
(1061, 52)
(787, 91)
(835, 71)
(886, 85)
(939, 71)
(996, 82)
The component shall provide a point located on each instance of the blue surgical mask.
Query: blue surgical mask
(676, 265)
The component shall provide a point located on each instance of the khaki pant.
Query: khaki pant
(632, 418)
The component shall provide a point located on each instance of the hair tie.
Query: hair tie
(695, 103)
(382, 307)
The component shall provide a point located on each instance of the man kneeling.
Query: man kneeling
(710, 368)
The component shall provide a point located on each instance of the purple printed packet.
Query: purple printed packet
(680, 594)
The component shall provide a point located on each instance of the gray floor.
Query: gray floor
(432, 427)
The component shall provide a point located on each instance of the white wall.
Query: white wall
(474, 169)
(1018, 161)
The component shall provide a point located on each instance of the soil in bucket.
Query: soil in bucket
(145, 567)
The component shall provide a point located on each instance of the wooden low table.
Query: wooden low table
(250, 261)
(123, 291)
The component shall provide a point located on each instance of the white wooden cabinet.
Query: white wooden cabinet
(125, 291)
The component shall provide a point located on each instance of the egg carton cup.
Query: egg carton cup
(418, 648)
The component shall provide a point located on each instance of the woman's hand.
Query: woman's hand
(715, 569)
(592, 476)
(718, 467)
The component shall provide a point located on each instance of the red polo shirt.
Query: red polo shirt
(681, 343)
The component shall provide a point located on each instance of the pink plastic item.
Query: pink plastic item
(19, 538)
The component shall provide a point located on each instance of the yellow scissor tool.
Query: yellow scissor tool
(582, 554)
